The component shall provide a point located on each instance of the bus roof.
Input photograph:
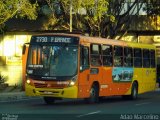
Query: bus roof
(116, 42)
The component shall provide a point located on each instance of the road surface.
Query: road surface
(146, 107)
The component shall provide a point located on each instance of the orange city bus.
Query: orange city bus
(60, 66)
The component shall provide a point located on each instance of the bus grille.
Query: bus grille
(40, 85)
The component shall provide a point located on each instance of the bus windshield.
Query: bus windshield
(55, 60)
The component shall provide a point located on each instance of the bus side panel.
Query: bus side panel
(106, 81)
(83, 84)
(121, 80)
(119, 88)
(149, 80)
(137, 76)
(108, 86)
(86, 80)
(154, 78)
(146, 78)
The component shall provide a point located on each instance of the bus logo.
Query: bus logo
(49, 85)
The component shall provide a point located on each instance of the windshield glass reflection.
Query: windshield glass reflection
(52, 60)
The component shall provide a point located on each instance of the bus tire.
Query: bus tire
(94, 94)
(49, 100)
(134, 91)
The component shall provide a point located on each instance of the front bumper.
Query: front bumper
(69, 92)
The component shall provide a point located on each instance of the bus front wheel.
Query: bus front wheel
(94, 95)
(49, 100)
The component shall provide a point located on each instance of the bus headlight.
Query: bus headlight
(73, 81)
(28, 81)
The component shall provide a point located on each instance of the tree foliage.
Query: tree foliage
(123, 12)
(88, 15)
(103, 18)
(18, 8)
(153, 7)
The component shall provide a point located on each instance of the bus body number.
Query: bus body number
(41, 39)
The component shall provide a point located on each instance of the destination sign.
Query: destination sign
(54, 39)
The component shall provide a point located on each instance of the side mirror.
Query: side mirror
(81, 68)
(84, 58)
(23, 49)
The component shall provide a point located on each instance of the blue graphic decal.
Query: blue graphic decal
(122, 74)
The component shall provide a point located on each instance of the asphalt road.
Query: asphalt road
(146, 107)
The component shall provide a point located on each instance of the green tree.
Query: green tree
(124, 12)
(18, 8)
(152, 7)
(105, 18)
(88, 15)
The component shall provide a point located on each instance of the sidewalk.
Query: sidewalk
(14, 96)
(11, 96)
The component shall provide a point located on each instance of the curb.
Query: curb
(14, 96)
(18, 96)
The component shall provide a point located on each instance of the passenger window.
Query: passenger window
(146, 58)
(128, 57)
(107, 55)
(137, 57)
(96, 55)
(84, 58)
(152, 58)
(118, 56)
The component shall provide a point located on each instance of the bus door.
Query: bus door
(96, 70)
(83, 81)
